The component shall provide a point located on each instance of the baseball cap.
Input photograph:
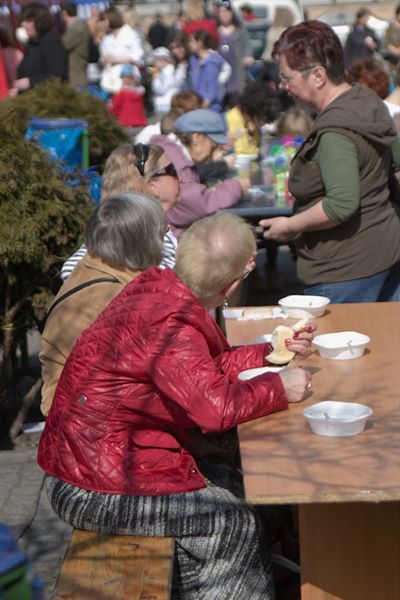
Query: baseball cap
(203, 121)
(130, 71)
(160, 52)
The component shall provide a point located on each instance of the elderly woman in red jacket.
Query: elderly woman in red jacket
(151, 371)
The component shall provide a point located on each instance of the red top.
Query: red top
(3, 80)
(128, 106)
(152, 368)
(207, 24)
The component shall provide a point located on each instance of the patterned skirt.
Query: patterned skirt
(221, 548)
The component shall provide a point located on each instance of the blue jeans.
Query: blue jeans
(382, 287)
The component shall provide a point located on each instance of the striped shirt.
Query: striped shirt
(168, 256)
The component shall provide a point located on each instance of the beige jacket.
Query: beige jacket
(74, 314)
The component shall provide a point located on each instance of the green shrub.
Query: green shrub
(41, 223)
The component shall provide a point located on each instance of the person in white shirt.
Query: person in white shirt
(166, 81)
(122, 44)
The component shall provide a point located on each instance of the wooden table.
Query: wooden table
(347, 489)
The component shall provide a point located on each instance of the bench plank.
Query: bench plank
(116, 567)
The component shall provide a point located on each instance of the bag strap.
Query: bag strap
(77, 289)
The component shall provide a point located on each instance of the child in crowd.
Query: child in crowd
(184, 101)
(257, 106)
(164, 84)
(291, 128)
(128, 104)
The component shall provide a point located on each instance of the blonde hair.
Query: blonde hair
(214, 252)
(194, 10)
(121, 173)
(295, 122)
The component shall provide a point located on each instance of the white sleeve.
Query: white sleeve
(71, 262)
(164, 81)
(134, 46)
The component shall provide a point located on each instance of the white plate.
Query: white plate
(343, 345)
(250, 373)
(264, 338)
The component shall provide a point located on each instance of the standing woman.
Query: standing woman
(345, 226)
(121, 45)
(234, 46)
(205, 66)
(44, 55)
(361, 41)
(179, 48)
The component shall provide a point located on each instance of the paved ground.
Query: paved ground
(24, 506)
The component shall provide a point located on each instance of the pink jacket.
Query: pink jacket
(197, 200)
(153, 368)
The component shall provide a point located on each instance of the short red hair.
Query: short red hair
(312, 43)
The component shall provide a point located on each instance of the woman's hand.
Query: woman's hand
(300, 343)
(297, 383)
(278, 229)
(244, 182)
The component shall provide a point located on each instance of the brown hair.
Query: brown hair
(295, 122)
(369, 72)
(114, 17)
(187, 101)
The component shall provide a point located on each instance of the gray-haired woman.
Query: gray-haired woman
(123, 237)
(149, 373)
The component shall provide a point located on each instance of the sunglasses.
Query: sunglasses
(141, 153)
(168, 170)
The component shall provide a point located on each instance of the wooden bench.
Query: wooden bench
(116, 567)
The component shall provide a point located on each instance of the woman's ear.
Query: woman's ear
(152, 187)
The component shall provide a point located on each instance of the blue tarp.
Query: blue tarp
(62, 138)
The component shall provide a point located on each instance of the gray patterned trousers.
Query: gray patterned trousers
(220, 546)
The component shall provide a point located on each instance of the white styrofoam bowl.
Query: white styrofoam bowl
(304, 306)
(343, 345)
(337, 419)
(250, 373)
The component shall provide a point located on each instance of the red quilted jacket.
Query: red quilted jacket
(153, 367)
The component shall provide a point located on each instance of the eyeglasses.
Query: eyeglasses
(288, 78)
(168, 170)
(141, 152)
(244, 275)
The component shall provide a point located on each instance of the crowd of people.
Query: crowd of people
(137, 374)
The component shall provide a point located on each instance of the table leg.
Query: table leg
(350, 551)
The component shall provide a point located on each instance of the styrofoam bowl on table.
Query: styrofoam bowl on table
(264, 338)
(250, 373)
(301, 306)
(337, 419)
(342, 345)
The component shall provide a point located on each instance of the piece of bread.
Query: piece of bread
(280, 355)
(257, 313)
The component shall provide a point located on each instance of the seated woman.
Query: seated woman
(201, 132)
(117, 251)
(153, 369)
(139, 168)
